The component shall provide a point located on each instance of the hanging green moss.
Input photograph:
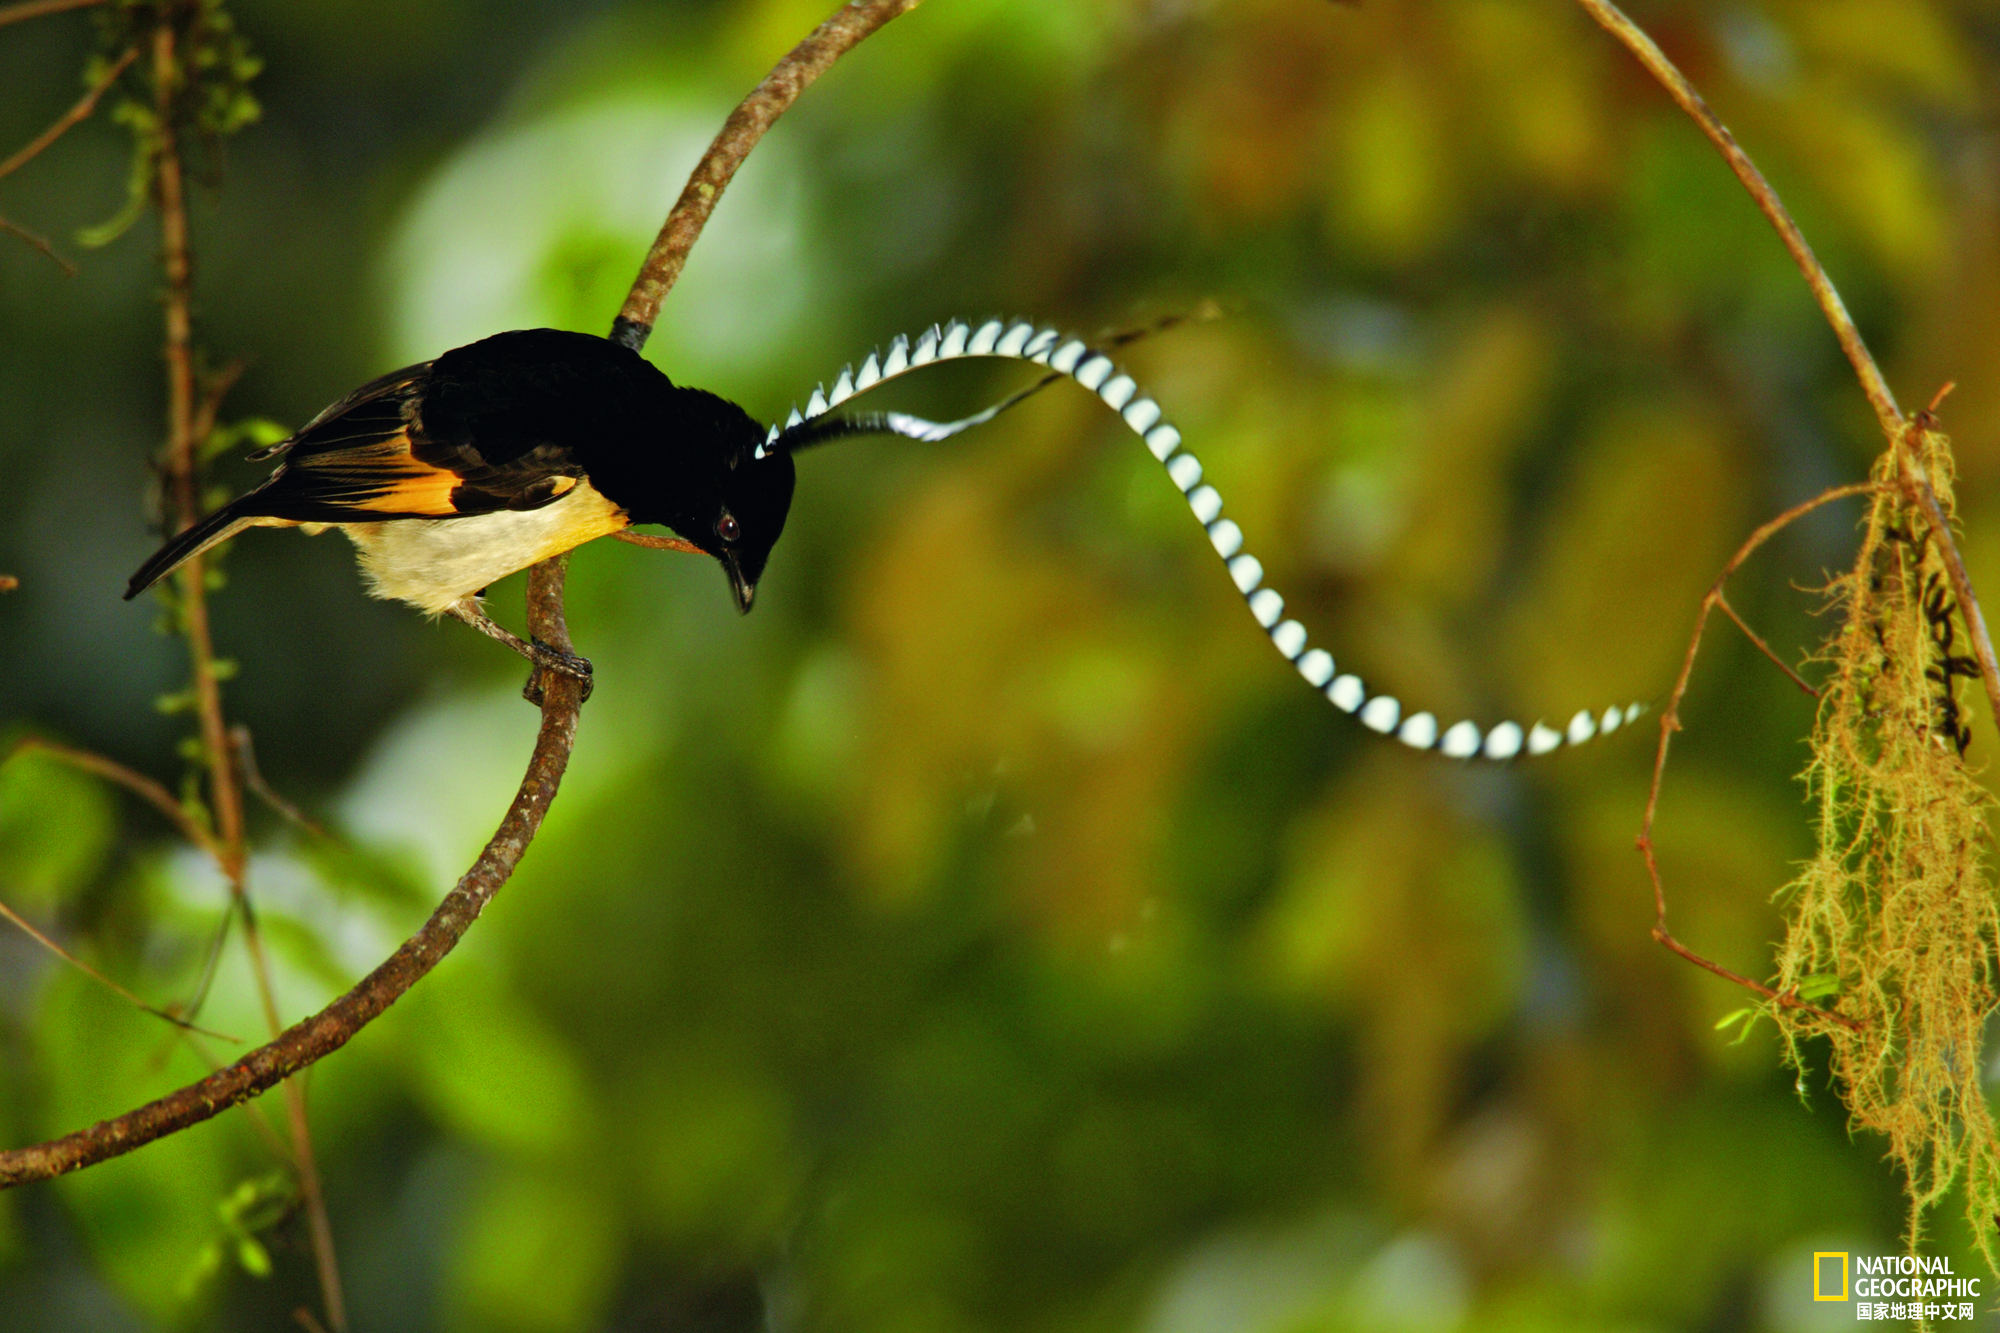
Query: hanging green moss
(1896, 909)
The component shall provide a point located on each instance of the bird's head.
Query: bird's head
(754, 497)
(729, 501)
(689, 460)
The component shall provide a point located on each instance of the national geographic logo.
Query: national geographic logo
(1894, 1286)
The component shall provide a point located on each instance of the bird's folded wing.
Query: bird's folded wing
(367, 458)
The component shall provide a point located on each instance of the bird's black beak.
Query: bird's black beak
(741, 585)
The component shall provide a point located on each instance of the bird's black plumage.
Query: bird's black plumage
(416, 465)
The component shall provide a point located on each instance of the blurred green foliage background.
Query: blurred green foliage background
(991, 932)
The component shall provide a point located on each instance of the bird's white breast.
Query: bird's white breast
(435, 563)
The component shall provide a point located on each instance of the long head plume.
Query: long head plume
(1072, 358)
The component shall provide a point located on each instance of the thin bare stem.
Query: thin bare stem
(40, 242)
(28, 928)
(1670, 722)
(253, 778)
(747, 124)
(76, 115)
(34, 9)
(147, 790)
(212, 394)
(1786, 999)
(211, 961)
(1765, 648)
(1640, 45)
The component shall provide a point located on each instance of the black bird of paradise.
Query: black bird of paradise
(454, 473)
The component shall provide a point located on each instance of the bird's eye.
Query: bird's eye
(728, 528)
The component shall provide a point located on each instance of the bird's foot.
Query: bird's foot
(546, 659)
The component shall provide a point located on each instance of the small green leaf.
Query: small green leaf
(206, 1262)
(251, 432)
(1747, 1016)
(181, 701)
(252, 1255)
(1819, 986)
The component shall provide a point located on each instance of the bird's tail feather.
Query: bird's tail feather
(222, 524)
(1023, 341)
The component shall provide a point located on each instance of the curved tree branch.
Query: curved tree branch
(746, 125)
(1669, 77)
(331, 1028)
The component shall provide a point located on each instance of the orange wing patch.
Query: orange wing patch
(379, 475)
(423, 490)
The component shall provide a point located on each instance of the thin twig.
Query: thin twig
(1640, 45)
(218, 387)
(1670, 722)
(39, 242)
(34, 9)
(747, 124)
(211, 961)
(1786, 999)
(1764, 647)
(253, 778)
(27, 928)
(332, 1027)
(71, 118)
(147, 790)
